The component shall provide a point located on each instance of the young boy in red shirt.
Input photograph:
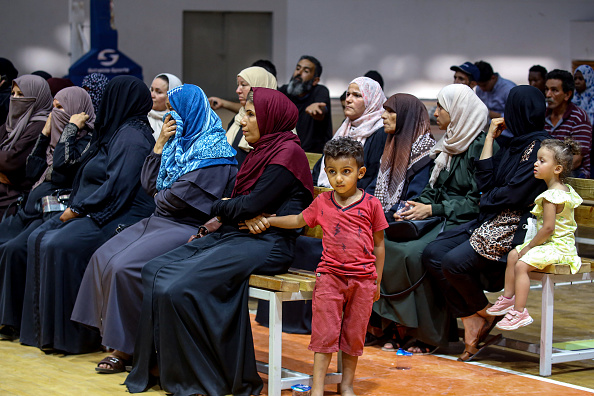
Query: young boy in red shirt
(349, 275)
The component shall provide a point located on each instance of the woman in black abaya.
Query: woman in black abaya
(106, 193)
(195, 314)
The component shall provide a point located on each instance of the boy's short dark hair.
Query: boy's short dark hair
(344, 147)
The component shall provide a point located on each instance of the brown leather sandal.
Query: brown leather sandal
(117, 365)
(471, 352)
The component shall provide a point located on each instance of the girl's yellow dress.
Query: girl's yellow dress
(560, 247)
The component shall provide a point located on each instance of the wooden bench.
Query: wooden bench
(313, 158)
(552, 275)
(295, 285)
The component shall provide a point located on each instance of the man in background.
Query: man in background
(467, 74)
(312, 99)
(492, 89)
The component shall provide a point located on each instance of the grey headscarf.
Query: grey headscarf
(34, 106)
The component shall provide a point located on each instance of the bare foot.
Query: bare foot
(347, 391)
(117, 354)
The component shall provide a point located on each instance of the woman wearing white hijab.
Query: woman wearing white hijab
(30, 105)
(364, 108)
(452, 194)
(162, 83)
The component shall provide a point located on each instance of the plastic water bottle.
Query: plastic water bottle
(301, 390)
(403, 359)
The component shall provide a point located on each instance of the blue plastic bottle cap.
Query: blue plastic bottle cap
(301, 388)
(402, 352)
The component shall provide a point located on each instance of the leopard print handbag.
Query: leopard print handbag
(493, 239)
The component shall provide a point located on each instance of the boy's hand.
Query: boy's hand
(377, 293)
(256, 225)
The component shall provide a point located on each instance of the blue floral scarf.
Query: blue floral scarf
(199, 139)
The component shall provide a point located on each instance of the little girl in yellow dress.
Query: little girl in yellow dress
(554, 243)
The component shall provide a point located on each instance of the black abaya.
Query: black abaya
(195, 304)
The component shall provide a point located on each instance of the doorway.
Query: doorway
(218, 45)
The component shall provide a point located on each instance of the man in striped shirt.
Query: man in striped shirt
(564, 119)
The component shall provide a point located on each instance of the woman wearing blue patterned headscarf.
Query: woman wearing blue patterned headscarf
(584, 89)
(189, 168)
(199, 139)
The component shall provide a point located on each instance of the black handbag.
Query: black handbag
(409, 230)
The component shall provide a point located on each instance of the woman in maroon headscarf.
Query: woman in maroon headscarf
(30, 105)
(194, 310)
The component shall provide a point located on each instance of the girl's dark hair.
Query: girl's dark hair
(344, 147)
(250, 97)
(564, 152)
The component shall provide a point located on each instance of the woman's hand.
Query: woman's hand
(256, 225)
(47, 129)
(417, 211)
(167, 130)
(79, 119)
(497, 126)
(215, 103)
(69, 215)
(398, 214)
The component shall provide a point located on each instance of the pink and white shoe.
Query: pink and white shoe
(502, 306)
(514, 320)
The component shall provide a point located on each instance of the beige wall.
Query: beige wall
(412, 43)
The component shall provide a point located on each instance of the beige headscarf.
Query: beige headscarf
(256, 77)
(468, 115)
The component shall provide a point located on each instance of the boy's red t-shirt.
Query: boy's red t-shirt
(348, 233)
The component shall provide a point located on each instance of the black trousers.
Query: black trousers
(461, 273)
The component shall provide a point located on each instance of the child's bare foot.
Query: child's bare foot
(347, 391)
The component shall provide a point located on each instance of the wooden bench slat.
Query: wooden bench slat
(273, 283)
(302, 272)
(312, 158)
(565, 269)
(584, 216)
(305, 283)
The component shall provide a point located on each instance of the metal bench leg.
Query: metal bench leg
(338, 368)
(275, 345)
(546, 327)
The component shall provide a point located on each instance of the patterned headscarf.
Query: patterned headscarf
(406, 150)
(364, 126)
(34, 106)
(199, 139)
(585, 100)
(371, 119)
(468, 118)
(95, 84)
